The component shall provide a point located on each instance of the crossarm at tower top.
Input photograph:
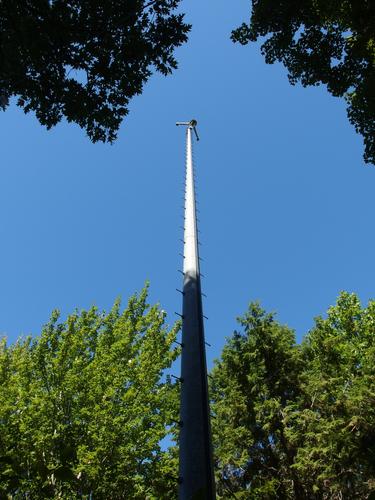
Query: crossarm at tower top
(191, 124)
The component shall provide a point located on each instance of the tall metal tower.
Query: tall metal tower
(196, 465)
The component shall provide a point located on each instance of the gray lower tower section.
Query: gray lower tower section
(196, 464)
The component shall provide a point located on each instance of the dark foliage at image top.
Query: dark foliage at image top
(330, 42)
(85, 59)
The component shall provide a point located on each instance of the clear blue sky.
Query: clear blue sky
(287, 204)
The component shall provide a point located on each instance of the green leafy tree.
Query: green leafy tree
(84, 407)
(329, 42)
(297, 421)
(85, 59)
(334, 427)
(256, 378)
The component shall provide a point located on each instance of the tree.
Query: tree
(335, 423)
(297, 421)
(83, 407)
(257, 377)
(83, 59)
(329, 42)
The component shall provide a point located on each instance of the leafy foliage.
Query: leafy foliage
(297, 421)
(329, 42)
(83, 407)
(85, 59)
(338, 417)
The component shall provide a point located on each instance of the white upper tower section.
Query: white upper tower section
(191, 260)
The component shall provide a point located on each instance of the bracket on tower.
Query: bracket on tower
(191, 124)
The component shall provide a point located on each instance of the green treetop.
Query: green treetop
(297, 421)
(84, 407)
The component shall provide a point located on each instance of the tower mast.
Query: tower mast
(196, 464)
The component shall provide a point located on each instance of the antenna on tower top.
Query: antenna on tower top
(191, 124)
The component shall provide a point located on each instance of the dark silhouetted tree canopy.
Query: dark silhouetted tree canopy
(85, 59)
(329, 42)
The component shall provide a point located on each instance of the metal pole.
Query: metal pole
(196, 464)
